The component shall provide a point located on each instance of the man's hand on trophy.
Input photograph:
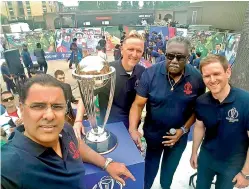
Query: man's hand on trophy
(117, 170)
(79, 129)
(136, 137)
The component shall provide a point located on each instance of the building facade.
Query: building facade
(30, 12)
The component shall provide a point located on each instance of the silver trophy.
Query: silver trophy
(94, 74)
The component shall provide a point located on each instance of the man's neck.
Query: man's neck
(11, 110)
(223, 94)
(126, 67)
(176, 77)
(55, 145)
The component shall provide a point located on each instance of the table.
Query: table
(126, 152)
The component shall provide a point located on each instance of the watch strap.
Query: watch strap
(107, 162)
(184, 130)
(245, 176)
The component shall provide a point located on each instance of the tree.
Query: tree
(240, 71)
(107, 5)
(135, 5)
(149, 4)
(126, 5)
(88, 5)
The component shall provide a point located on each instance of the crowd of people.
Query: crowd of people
(174, 93)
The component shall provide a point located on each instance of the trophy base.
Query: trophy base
(99, 145)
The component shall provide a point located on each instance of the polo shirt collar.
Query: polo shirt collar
(23, 142)
(164, 70)
(121, 70)
(229, 99)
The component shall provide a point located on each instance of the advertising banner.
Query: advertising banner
(87, 38)
(231, 47)
(46, 38)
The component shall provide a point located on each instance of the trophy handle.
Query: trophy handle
(111, 95)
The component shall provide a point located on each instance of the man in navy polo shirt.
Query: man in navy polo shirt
(169, 91)
(223, 120)
(43, 152)
(128, 73)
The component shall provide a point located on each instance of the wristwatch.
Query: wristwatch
(184, 129)
(245, 176)
(107, 162)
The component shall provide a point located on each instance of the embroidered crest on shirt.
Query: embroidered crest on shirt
(188, 88)
(74, 150)
(232, 115)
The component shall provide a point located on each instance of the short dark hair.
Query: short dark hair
(58, 72)
(42, 79)
(74, 39)
(218, 44)
(38, 45)
(117, 46)
(6, 92)
(198, 54)
(103, 37)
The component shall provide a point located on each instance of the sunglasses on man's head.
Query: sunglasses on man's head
(179, 57)
(8, 99)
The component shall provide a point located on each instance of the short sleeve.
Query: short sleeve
(247, 121)
(143, 85)
(198, 110)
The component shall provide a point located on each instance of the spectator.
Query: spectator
(117, 52)
(74, 54)
(102, 44)
(12, 113)
(159, 43)
(60, 76)
(123, 36)
(35, 70)
(192, 56)
(27, 59)
(159, 56)
(165, 44)
(101, 53)
(8, 78)
(197, 61)
(41, 60)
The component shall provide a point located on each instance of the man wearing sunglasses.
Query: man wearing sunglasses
(169, 90)
(44, 152)
(12, 112)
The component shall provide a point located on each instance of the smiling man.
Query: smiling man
(223, 120)
(44, 153)
(169, 90)
(128, 73)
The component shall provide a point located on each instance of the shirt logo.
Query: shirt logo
(74, 150)
(188, 88)
(233, 115)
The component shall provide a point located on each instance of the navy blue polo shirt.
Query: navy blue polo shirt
(124, 94)
(226, 123)
(168, 109)
(26, 164)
